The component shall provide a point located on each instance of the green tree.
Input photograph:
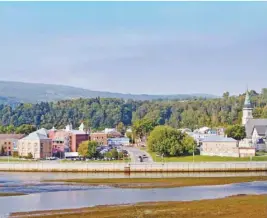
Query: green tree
(25, 129)
(131, 136)
(238, 132)
(120, 155)
(2, 152)
(30, 156)
(121, 128)
(226, 95)
(143, 127)
(190, 145)
(83, 148)
(92, 149)
(114, 153)
(169, 141)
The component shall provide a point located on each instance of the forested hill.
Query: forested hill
(102, 112)
(14, 92)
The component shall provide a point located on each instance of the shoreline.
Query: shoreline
(167, 167)
(244, 206)
(10, 194)
(148, 183)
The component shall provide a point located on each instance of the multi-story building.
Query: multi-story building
(100, 137)
(224, 147)
(9, 142)
(103, 136)
(36, 144)
(67, 140)
(118, 141)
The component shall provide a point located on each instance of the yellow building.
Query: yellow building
(39, 145)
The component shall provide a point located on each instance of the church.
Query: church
(256, 129)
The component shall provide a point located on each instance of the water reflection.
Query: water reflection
(105, 196)
(45, 196)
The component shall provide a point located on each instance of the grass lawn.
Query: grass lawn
(12, 159)
(163, 182)
(200, 158)
(247, 206)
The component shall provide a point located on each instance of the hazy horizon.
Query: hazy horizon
(136, 47)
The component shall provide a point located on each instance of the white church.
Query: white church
(256, 129)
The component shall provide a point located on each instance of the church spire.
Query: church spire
(247, 103)
(247, 109)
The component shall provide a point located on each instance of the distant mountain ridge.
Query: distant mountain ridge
(16, 92)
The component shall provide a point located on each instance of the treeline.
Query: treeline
(23, 129)
(99, 113)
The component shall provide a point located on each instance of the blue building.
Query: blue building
(118, 141)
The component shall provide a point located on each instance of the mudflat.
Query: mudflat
(162, 182)
(245, 206)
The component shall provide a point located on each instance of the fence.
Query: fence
(135, 167)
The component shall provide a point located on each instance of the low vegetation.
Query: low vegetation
(231, 207)
(8, 194)
(163, 182)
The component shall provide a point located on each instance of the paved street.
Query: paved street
(136, 152)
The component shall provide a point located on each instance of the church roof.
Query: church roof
(247, 103)
(261, 130)
(253, 123)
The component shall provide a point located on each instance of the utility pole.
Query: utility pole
(193, 152)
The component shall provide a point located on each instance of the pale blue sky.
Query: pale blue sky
(136, 47)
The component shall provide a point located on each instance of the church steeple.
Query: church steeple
(247, 103)
(247, 109)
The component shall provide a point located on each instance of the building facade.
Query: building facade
(225, 147)
(219, 146)
(9, 143)
(119, 141)
(100, 137)
(36, 144)
(67, 140)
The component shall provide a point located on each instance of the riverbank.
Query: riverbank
(161, 182)
(8, 194)
(231, 207)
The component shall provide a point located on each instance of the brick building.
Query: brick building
(9, 142)
(67, 140)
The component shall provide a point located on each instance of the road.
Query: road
(136, 152)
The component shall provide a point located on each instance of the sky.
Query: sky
(136, 47)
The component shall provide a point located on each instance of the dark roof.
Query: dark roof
(254, 122)
(11, 136)
(261, 130)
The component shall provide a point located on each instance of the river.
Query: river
(47, 196)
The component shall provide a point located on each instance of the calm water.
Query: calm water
(60, 196)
